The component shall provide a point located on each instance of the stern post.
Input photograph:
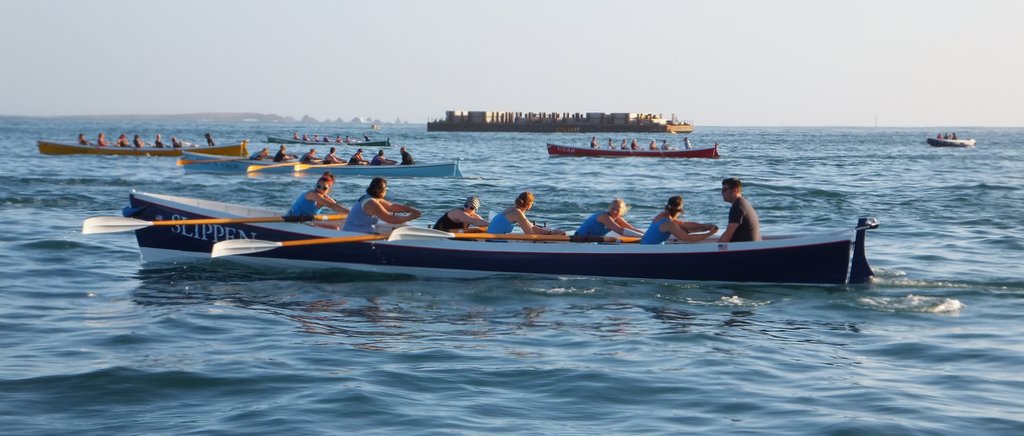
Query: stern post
(860, 271)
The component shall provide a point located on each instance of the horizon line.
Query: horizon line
(329, 120)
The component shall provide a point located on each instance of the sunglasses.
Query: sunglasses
(322, 187)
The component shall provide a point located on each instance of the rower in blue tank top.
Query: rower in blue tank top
(372, 207)
(509, 218)
(303, 206)
(592, 227)
(310, 202)
(665, 224)
(358, 220)
(500, 225)
(654, 234)
(602, 223)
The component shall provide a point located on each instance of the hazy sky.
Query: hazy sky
(716, 62)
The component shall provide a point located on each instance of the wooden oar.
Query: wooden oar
(113, 224)
(183, 162)
(234, 247)
(303, 167)
(256, 168)
(413, 233)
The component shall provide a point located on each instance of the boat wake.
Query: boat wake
(912, 303)
(899, 280)
(563, 290)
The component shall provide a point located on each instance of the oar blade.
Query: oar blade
(417, 233)
(303, 167)
(234, 247)
(112, 224)
(271, 168)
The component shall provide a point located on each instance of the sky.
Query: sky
(716, 62)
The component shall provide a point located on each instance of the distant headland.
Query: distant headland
(222, 117)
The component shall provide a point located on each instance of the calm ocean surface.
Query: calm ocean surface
(95, 341)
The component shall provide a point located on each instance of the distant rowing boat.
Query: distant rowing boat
(964, 143)
(442, 169)
(64, 148)
(200, 162)
(283, 140)
(566, 150)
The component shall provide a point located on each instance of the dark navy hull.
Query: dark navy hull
(962, 143)
(818, 264)
(815, 261)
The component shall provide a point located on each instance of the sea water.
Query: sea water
(97, 341)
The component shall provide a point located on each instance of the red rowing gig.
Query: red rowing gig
(565, 150)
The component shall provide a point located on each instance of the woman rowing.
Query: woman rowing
(509, 218)
(667, 224)
(357, 158)
(372, 208)
(283, 156)
(310, 202)
(332, 158)
(461, 218)
(379, 159)
(263, 154)
(604, 222)
(309, 158)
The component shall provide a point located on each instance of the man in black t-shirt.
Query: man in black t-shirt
(407, 158)
(743, 223)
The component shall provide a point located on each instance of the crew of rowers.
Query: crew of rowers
(138, 142)
(946, 136)
(634, 146)
(372, 208)
(331, 158)
(326, 139)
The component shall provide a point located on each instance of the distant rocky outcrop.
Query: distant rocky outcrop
(204, 116)
(225, 117)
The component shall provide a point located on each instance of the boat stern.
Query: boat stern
(860, 270)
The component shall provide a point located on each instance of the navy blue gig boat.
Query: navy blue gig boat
(831, 257)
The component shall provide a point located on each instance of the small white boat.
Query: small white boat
(936, 142)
